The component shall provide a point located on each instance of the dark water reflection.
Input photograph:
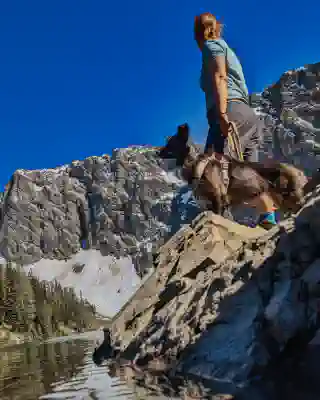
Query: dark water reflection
(29, 371)
(63, 369)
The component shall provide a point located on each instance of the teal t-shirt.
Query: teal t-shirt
(237, 88)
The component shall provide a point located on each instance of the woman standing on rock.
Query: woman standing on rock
(227, 99)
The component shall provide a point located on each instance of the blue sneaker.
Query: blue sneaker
(267, 220)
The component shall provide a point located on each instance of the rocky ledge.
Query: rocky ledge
(225, 300)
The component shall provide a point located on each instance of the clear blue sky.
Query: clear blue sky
(79, 78)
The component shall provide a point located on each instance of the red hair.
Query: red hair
(206, 27)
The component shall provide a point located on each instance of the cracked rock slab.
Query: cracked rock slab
(225, 299)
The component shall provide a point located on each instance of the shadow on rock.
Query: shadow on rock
(228, 306)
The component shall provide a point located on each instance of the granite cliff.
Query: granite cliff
(290, 109)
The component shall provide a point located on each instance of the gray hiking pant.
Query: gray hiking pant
(250, 130)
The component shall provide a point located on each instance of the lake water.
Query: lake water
(62, 369)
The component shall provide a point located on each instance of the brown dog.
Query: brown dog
(246, 180)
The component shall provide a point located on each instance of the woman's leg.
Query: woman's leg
(250, 130)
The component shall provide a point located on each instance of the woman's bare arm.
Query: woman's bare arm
(220, 83)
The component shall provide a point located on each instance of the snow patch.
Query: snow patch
(185, 197)
(171, 177)
(166, 197)
(106, 282)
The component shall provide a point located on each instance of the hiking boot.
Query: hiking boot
(267, 220)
